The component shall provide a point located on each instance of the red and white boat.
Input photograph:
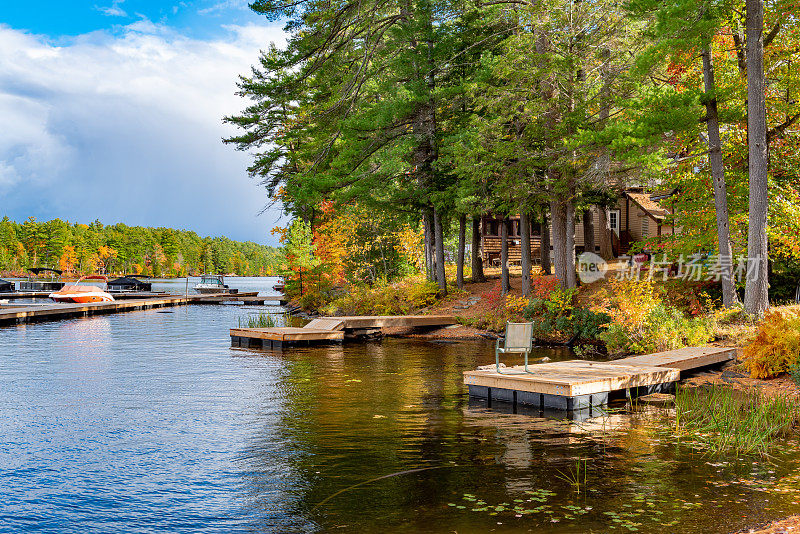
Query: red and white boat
(83, 294)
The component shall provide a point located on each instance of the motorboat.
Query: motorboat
(82, 294)
(130, 283)
(36, 281)
(279, 286)
(213, 283)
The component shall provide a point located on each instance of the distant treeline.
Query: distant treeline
(94, 248)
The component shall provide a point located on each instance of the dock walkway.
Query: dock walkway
(56, 311)
(52, 311)
(331, 329)
(578, 384)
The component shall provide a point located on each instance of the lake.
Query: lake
(150, 422)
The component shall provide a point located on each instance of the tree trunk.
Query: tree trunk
(428, 226)
(606, 250)
(477, 261)
(437, 230)
(756, 297)
(588, 231)
(569, 265)
(525, 236)
(504, 281)
(558, 215)
(544, 250)
(462, 243)
(718, 175)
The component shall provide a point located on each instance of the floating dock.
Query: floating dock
(238, 299)
(276, 338)
(331, 329)
(578, 384)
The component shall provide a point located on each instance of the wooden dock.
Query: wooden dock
(57, 311)
(578, 384)
(51, 311)
(13, 295)
(331, 329)
(276, 338)
(238, 299)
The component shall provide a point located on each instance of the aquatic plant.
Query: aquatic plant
(639, 511)
(260, 320)
(724, 420)
(576, 476)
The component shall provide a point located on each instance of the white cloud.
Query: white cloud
(224, 5)
(113, 10)
(127, 128)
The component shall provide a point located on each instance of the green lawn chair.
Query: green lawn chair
(518, 340)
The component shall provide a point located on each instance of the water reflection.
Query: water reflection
(150, 421)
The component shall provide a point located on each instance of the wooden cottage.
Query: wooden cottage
(637, 215)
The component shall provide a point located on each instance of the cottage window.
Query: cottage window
(613, 221)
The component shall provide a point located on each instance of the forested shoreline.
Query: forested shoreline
(77, 249)
(430, 114)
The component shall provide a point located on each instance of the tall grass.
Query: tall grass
(260, 320)
(723, 419)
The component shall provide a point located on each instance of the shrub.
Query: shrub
(556, 317)
(776, 346)
(515, 305)
(641, 322)
(542, 286)
(382, 298)
(494, 297)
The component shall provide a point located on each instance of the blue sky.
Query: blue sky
(194, 18)
(112, 111)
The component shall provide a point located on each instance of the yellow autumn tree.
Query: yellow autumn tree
(68, 259)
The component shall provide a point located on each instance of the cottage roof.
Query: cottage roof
(645, 201)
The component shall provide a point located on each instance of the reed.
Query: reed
(723, 419)
(260, 320)
(577, 475)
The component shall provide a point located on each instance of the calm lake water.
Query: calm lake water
(150, 422)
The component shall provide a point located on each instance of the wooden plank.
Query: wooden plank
(384, 321)
(25, 295)
(683, 359)
(326, 323)
(288, 334)
(573, 378)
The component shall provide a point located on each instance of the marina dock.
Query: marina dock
(331, 329)
(18, 313)
(578, 384)
(57, 311)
